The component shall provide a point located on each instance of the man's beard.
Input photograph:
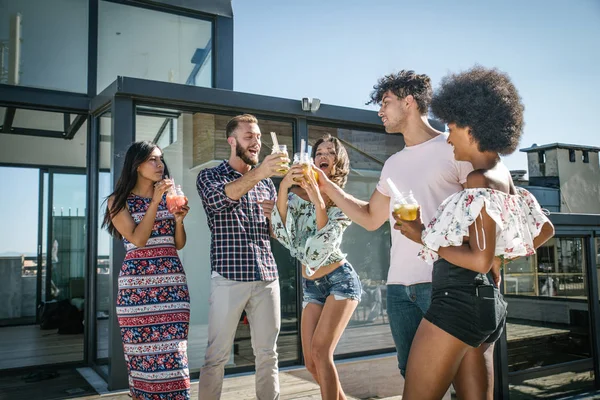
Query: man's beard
(241, 153)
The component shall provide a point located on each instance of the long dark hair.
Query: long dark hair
(137, 154)
(341, 167)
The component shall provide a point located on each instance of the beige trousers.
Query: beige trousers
(227, 300)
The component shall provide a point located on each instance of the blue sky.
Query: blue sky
(336, 50)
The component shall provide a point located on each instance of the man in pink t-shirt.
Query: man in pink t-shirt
(426, 165)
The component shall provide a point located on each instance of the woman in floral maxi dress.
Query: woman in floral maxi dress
(153, 304)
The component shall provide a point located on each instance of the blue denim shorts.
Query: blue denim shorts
(343, 283)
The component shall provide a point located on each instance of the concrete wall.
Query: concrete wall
(579, 183)
(549, 168)
(18, 292)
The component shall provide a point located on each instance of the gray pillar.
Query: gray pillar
(223, 53)
(123, 133)
(93, 167)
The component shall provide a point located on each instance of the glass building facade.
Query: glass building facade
(150, 71)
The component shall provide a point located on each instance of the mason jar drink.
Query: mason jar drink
(304, 160)
(407, 210)
(175, 199)
(281, 149)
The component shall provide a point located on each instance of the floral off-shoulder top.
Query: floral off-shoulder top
(519, 219)
(299, 234)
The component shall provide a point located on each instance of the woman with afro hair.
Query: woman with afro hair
(470, 236)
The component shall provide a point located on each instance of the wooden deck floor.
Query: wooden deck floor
(374, 378)
(22, 346)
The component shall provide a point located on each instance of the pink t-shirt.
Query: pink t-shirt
(431, 172)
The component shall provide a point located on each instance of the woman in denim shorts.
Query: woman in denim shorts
(473, 231)
(311, 228)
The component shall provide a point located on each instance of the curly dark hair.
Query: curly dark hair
(402, 84)
(486, 101)
(341, 168)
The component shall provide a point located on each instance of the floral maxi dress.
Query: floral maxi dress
(153, 310)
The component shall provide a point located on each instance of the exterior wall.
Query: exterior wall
(549, 198)
(549, 168)
(579, 183)
(18, 290)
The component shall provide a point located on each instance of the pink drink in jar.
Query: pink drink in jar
(175, 199)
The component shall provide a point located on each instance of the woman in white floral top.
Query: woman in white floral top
(311, 228)
(470, 234)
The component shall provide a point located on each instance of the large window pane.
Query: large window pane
(556, 270)
(142, 43)
(54, 43)
(548, 318)
(18, 266)
(191, 142)
(368, 329)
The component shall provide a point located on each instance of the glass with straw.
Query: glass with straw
(280, 149)
(403, 206)
(175, 199)
(305, 161)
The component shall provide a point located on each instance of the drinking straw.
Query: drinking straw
(302, 145)
(274, 138)
(394, 189)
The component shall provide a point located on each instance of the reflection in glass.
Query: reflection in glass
(141, 43)
(52, 32)
(198, 141)
(548, 317)
(367, 151)
(556, 270)
(67, 256)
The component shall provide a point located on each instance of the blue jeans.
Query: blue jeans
(406, 306)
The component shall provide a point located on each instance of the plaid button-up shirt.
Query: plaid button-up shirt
(240, 247)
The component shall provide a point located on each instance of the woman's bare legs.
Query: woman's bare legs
(310, 318)
(475, 375)
(434, 359)
(334, 318)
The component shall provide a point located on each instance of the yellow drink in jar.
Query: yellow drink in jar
(408, 212)
(281, 149)
(307, 169)
(396, 210)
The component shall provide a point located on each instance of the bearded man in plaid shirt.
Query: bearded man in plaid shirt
(238, 200)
